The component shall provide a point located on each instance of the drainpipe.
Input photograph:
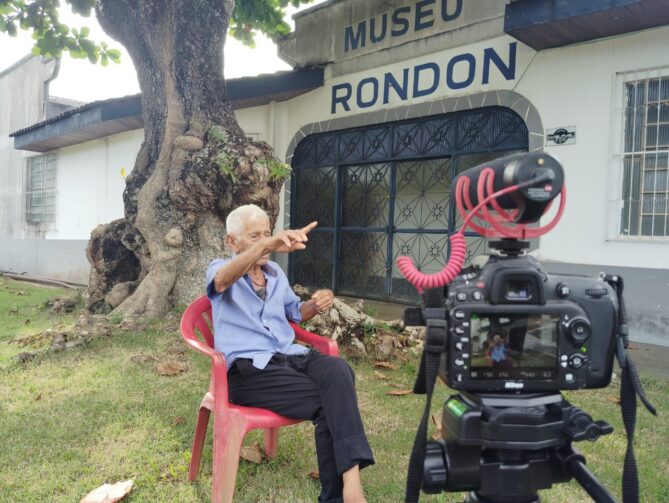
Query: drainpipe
(47, 81)
(271, 133)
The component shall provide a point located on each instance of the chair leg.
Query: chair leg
(198, 443)
(271, 442)
(229, 435)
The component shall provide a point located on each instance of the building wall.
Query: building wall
(89, 176)
(89, 185)
(268, 123)
(568, 86)
(89, 190)
(63, 259)
(575, 86)
(19, 110)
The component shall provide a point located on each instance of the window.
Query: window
(41, 189)
(645, 159)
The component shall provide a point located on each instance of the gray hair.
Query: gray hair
(239, 217)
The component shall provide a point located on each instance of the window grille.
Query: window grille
(41, 189)
(645, 157)
(383, 190)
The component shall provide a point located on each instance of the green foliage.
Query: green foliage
(51, 36)
(266, 16)
(218, 133)
(369, 328)
(224, 162)
(277, 170)
(224, 159)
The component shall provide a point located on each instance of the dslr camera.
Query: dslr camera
(508, 337)
(514, 327)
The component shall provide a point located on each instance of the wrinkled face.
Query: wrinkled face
(253, 231)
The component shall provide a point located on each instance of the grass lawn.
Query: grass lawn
(74, 420)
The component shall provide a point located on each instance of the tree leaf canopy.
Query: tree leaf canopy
(52, 37)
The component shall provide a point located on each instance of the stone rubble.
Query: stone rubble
(359, 334)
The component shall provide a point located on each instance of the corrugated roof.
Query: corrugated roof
(74, 111)
(104, 117)
(239, 89)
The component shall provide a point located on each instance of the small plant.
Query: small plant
(224, 163)
(368, 329)
(218, 133)
(369, 310)
(385, 326)
(277, 170)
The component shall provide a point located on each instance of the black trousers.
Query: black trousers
(312, 386)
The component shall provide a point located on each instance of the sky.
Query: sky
(82, 81)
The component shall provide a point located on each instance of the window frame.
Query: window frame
(42, 219)
(619, 138)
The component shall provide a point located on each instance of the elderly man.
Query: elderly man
(251, 305)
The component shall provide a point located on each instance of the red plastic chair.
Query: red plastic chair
(231, 422)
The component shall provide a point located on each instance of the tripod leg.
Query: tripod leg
(574, 464)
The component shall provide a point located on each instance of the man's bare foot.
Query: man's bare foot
(353, 492)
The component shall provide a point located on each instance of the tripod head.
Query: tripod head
(506, 448)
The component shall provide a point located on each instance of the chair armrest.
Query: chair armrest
(219, 371)
(322, 344)
(201, 347)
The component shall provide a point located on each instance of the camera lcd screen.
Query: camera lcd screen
(514, 346)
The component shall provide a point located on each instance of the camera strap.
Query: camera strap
(630, 388)
(436, 330)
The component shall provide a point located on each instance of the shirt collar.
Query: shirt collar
(269, 269)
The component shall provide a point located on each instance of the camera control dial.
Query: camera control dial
(576, 361)
(578, 329)
(562, 290)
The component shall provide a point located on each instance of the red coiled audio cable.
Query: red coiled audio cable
(502, 225)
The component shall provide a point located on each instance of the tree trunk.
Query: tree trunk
(194, 166)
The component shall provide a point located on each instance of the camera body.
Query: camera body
(514, 327)
(509, 336)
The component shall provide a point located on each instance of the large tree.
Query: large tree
(195, 164)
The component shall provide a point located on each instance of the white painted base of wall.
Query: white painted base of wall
(63, 259)
(646, 297)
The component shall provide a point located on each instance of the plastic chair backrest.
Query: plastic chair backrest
(196, 323)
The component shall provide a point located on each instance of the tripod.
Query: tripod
(503, 449)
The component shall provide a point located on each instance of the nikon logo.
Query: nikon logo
(513, 385)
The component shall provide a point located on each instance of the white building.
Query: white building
(389, 103)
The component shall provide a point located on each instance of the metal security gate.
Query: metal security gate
(383, 191)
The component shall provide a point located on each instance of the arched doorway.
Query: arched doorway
(382, 191)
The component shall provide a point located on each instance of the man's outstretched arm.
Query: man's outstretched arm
(285, 241)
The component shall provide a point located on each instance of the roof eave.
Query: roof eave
(104, 118)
